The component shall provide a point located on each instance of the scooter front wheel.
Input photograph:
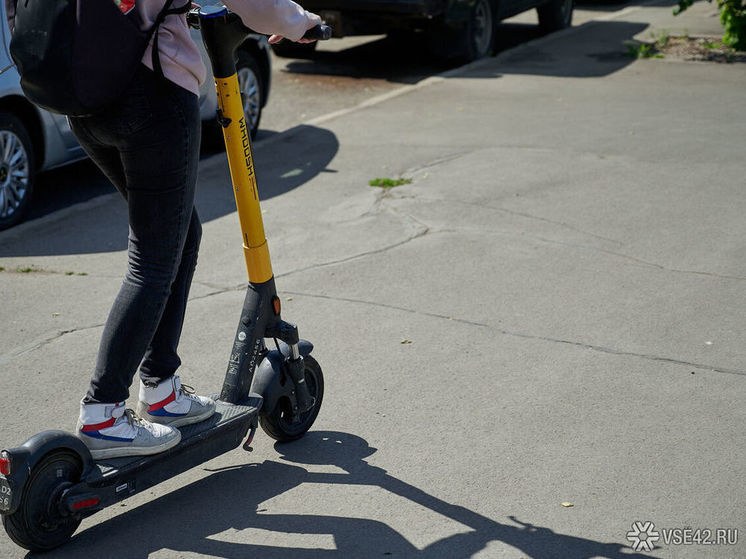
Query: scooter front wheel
(38, 524)
(281, 423)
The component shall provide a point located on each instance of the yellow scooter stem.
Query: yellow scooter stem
(241, 163)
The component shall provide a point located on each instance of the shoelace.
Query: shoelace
(132, 418)
(136, 421)
(188, 392)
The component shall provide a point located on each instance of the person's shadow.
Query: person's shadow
(229, 499)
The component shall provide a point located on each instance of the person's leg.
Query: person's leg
(107, 429)
(163, 399)
(148, 144)
(156, 131)
(104, 156)
(161, 358)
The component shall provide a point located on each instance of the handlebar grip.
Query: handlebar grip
(320, 32)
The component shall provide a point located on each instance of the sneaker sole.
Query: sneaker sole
(123, 451)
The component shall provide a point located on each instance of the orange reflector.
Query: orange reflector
(85, 504)
(276, 304)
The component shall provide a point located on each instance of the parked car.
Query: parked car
(34, 140)
(453, 28)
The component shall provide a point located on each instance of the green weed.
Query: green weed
(388, 183)
(636, 49)
(711, 45)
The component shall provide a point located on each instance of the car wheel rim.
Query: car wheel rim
(14, 173)
(248, 84)
(482, 23)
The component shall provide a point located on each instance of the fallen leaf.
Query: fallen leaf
(567, 505)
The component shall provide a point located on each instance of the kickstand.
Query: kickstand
(247, 445)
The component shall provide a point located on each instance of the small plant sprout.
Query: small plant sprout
(388, 183)
(637, 49)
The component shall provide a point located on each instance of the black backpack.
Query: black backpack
(75, 57)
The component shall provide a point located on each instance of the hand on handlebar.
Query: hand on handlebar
(277, 38)
(313, 21)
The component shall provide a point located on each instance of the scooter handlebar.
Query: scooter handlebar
(319, 32)
(223, 32)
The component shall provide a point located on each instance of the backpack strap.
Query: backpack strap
(164, 13)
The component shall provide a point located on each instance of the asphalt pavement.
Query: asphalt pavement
(533, 349)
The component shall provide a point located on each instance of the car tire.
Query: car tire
(480, 30)
(251, 85)
(555, 15)
(290, 49)
(470, 40)
(17, 169)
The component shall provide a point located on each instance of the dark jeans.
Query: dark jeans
(147, 144)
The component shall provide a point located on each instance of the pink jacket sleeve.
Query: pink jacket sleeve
(274, 17)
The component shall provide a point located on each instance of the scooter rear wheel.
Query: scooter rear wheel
(38, 524)
(280, 423)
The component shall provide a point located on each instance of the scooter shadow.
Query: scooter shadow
(281, 164)
(187, 520)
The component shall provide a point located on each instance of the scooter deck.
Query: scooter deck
(118, 478)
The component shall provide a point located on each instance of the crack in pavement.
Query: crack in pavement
(219, 291)
(42, 342)
(631, 258)
(516, 213)
(640, 261)
(438, 161)
(525, 335)
(351, 258)
(421, 231)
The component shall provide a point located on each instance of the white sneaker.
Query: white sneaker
(110, 431)
(172, 403)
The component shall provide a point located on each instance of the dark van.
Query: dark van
(453, 28)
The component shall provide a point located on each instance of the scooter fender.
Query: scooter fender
(269, 380)
(24, 458)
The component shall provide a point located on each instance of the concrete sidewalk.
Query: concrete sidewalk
(551, 312)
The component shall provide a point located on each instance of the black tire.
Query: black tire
(280, 424)
(250, 78)
(555, 15)
(37, 525)
(17, 170)
(289, 49)
(251, 83)
(480, 30)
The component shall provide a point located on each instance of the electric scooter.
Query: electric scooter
(50, 483)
